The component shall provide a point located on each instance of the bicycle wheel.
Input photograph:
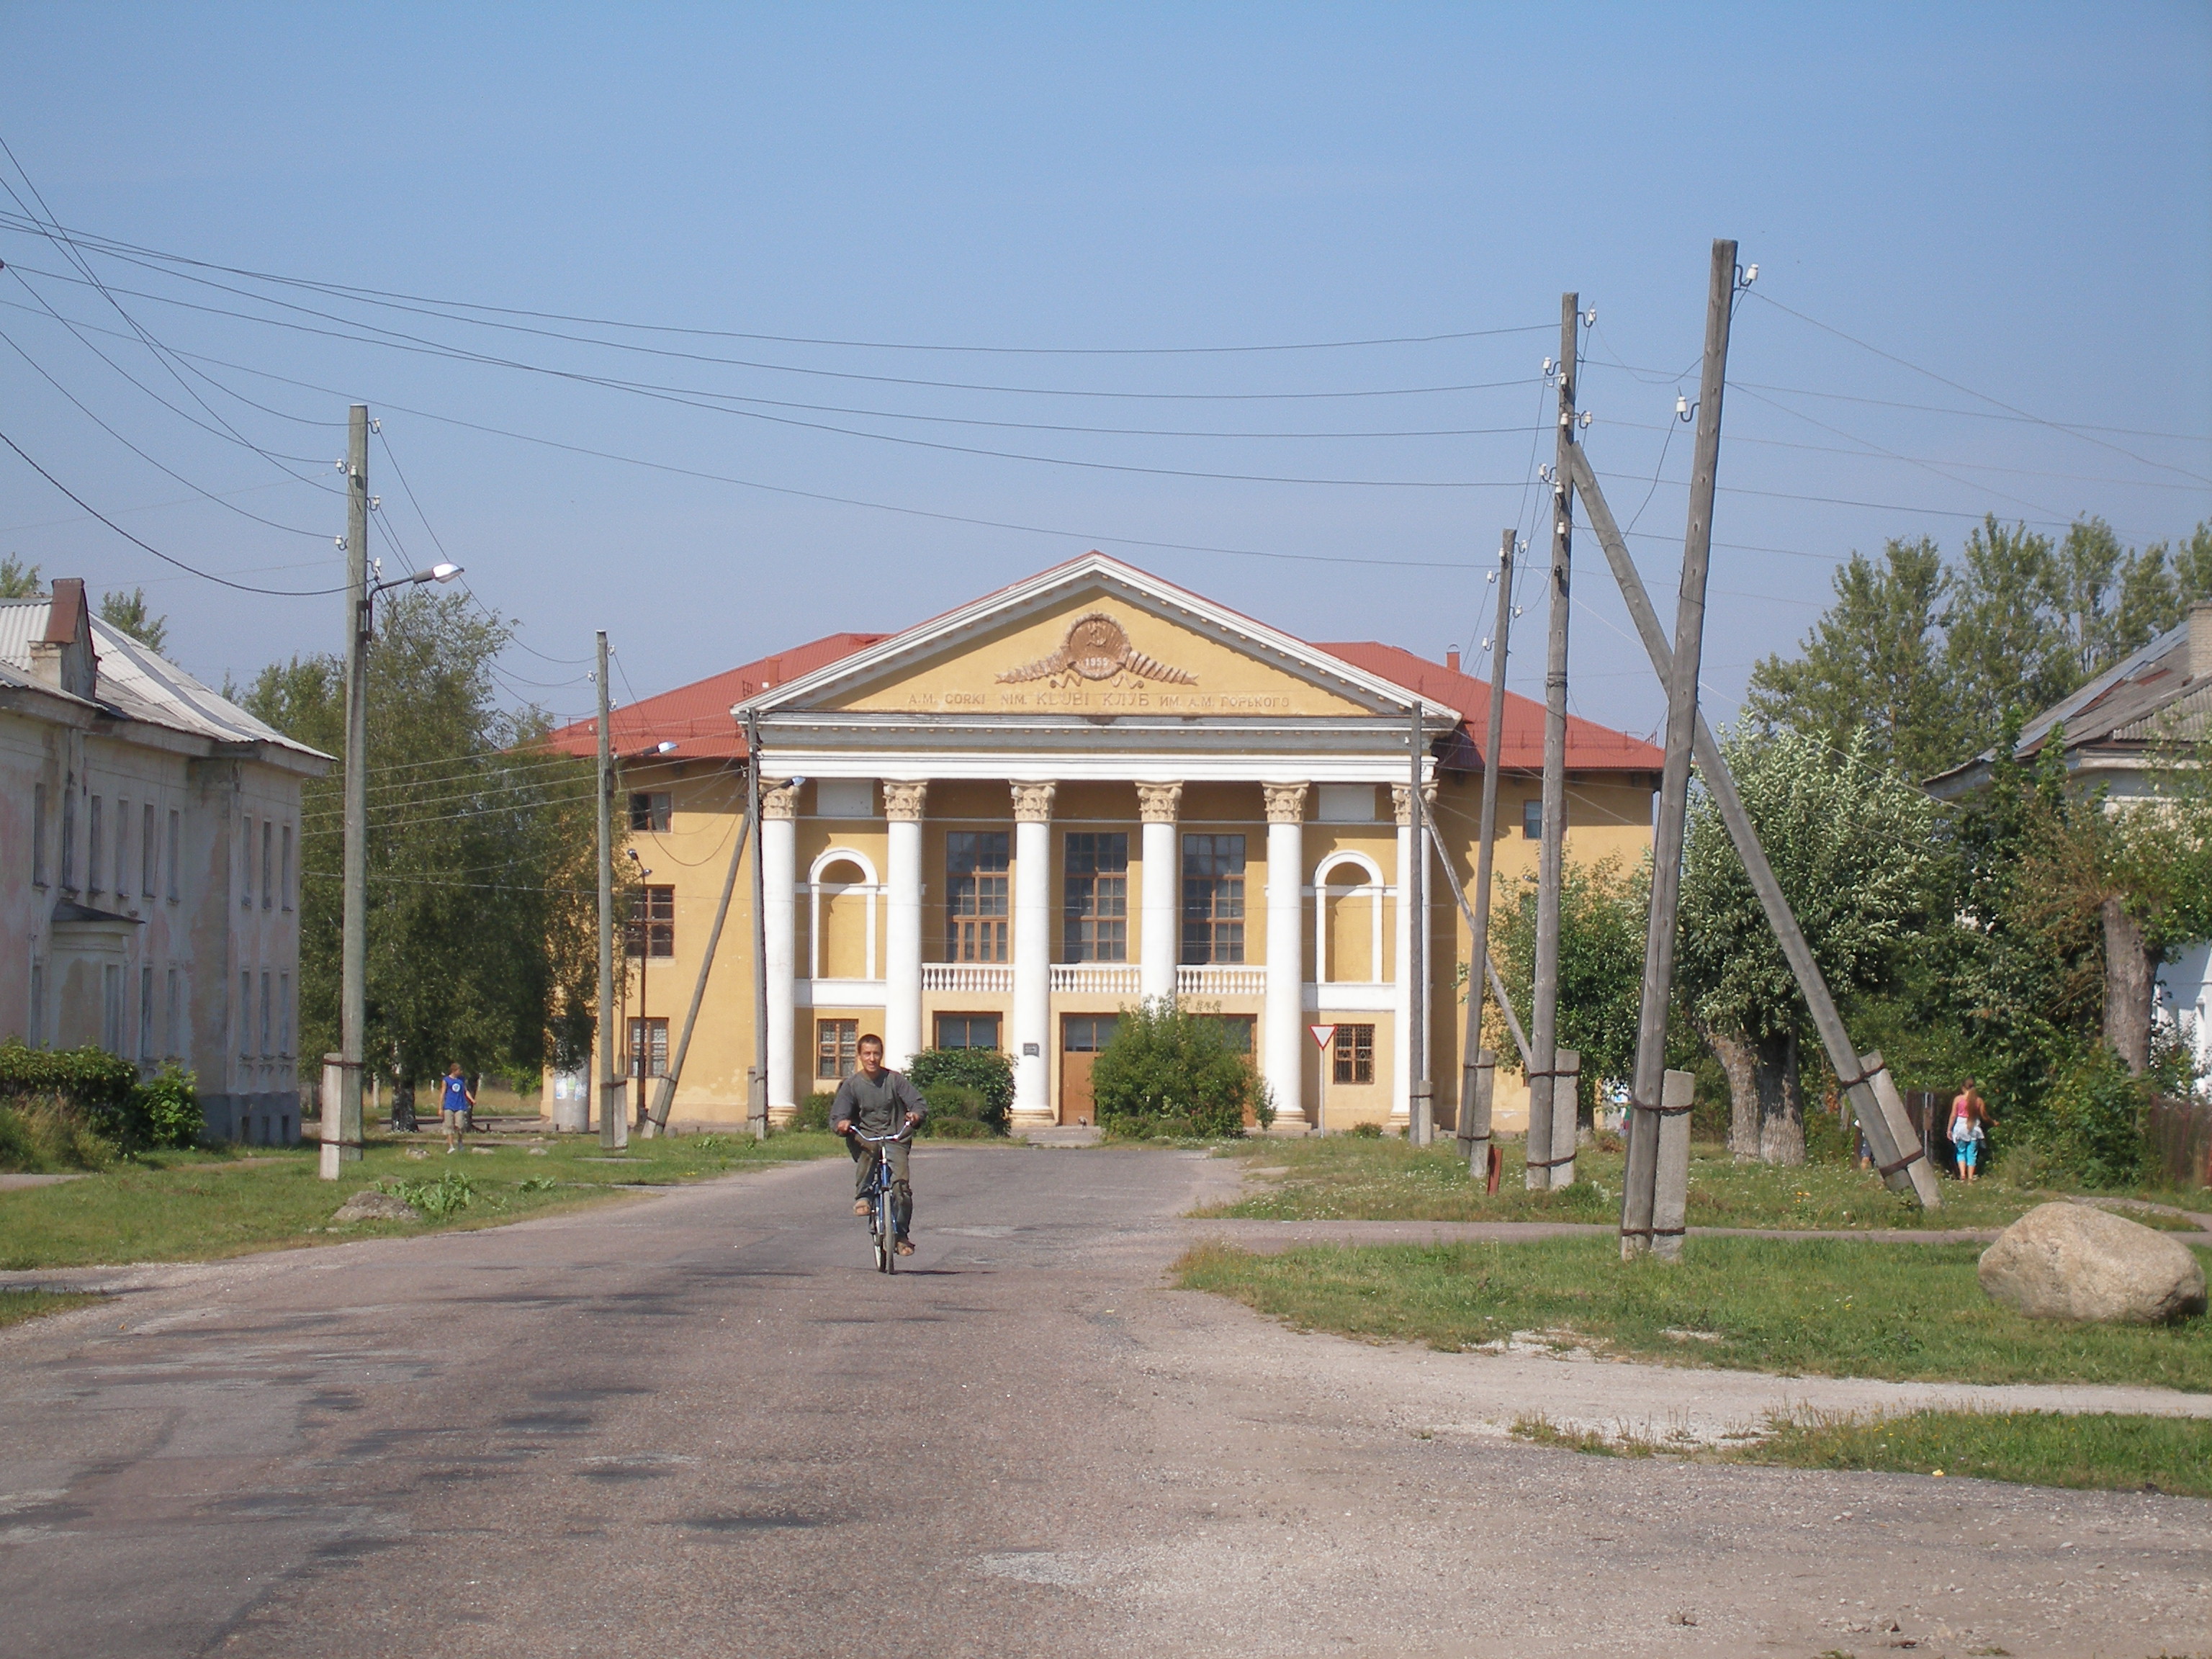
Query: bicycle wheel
(886, 1252)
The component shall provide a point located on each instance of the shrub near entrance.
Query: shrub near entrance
(1167, 1071)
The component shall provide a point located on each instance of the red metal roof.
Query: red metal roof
(696, 718)
(1591, 747)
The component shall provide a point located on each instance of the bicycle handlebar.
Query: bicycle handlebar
(906, 1134)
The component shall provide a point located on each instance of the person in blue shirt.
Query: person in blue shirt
(453, 1108)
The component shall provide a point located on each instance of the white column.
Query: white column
(1033, 954)
(903, 1040)
(1160, 878)
(779, 850)
(1283, 1052)
(1401, 972)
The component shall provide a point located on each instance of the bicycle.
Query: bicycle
(883, 1225)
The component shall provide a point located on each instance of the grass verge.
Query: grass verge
(1351, 1178)
(184, 1207)
(2100, 1449)
(1811, 1306)
(17, 1306)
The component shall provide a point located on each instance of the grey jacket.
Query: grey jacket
(874, 1107)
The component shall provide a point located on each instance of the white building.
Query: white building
(149, 878)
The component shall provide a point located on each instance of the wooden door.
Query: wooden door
(1081, 1037)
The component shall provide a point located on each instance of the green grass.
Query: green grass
(1818, 1307)
(181, 1206)
(1348, 1177)
(2100, 1449)
(17, 1306)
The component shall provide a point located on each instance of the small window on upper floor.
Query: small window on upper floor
(1532, 819)
(652, 811)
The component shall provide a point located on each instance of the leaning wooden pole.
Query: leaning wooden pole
(1873, 1093)
(1473, 1101)
(1656, 1122)
(656, 1121)
(1490, 963)
(1550, 1157)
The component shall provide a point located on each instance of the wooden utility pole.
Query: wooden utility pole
(1474, 1094)
(1421, 1103)
(1551, 1155)
(342, 1117)
(657, 1121)
(1873, 1093)
(1654, 1121)
(759, 1075)
(614, 1095)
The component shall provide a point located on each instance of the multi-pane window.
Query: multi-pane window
(287, 889)
(1354, 1053)
(1087, 1034)
(268, 851)
(977, 863)
(37, 835)
(651, 811)
(95, 843)
(1532, 817)
(149, 852)
(176, 825)
(1237, 1028)
(1212, 898)
(1095, 910)
(836, 1048)
(648, 1046)
(651, 922)
(967, 1031)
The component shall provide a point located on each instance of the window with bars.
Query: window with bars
(648, 1041)
(976, 866)
(836, 1049)
(1354, 1051)
(1095, 905)
(967, 1031)
(652, 811)
(1213, 899)
(652, 930)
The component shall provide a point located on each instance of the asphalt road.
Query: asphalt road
(702, 1424)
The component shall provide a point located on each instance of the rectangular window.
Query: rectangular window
(176, 824)
(267, 848)
(68, 840)
(175, 1025)
(111, 1007)
(1532, 819)
(652, 930)
(245, 1016)
(1095, 906)
(1354, 1053)
(1237, 1028)
(37, 835)
(121, 849)
(149, 852)
(146, 1016)
(268, 1026)
(967, 1031)
(1087, 1034)
(652, 811)
(836, 1048)
(977, 863)
(1213, 899)
(245, 864)
(95, 843)
(283, 1014)
(286, 889)
(654, 1032)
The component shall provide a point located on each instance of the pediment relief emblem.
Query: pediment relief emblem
(1096, 649)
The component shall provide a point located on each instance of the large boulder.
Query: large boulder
(370, 1204)
(2073, 1261)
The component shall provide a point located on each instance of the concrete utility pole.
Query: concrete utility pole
(614, 1093)
(1873, 1092)
(1420, 1114)
(1475, 1093)
(1551, 1155)
(342, 1126)
(1658, 1132)
(759, 1102)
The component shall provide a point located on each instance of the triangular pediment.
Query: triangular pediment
(1094, 637)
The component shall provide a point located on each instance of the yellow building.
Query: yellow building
(999, 827)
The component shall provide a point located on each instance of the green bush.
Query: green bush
(814, 1111)
(957, 1112)
(1165, 1062)
(101, 1087)
(169, 1108)
(2092, 1128)
(984, 1074)
(1368, 1131)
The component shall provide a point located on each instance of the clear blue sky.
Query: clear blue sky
(2016, 198)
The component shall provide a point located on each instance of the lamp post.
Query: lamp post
(342, 1129)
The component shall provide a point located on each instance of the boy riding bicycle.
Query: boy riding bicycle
(876, 1101)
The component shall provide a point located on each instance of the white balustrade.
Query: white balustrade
(969, 978)
(1111, 979)
(1220, 980)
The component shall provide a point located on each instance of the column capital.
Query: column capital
(1157, 803)
(1399, 796)
(778, 800)
(903, 801)
(1033, 802)
(1286, 802)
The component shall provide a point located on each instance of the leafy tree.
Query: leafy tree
(1603, 913)
(1849, 842)
(1169, 1069)
(2006, 647)
(1874, 659)
(19, 580)
(128, 612)
(483, 907)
